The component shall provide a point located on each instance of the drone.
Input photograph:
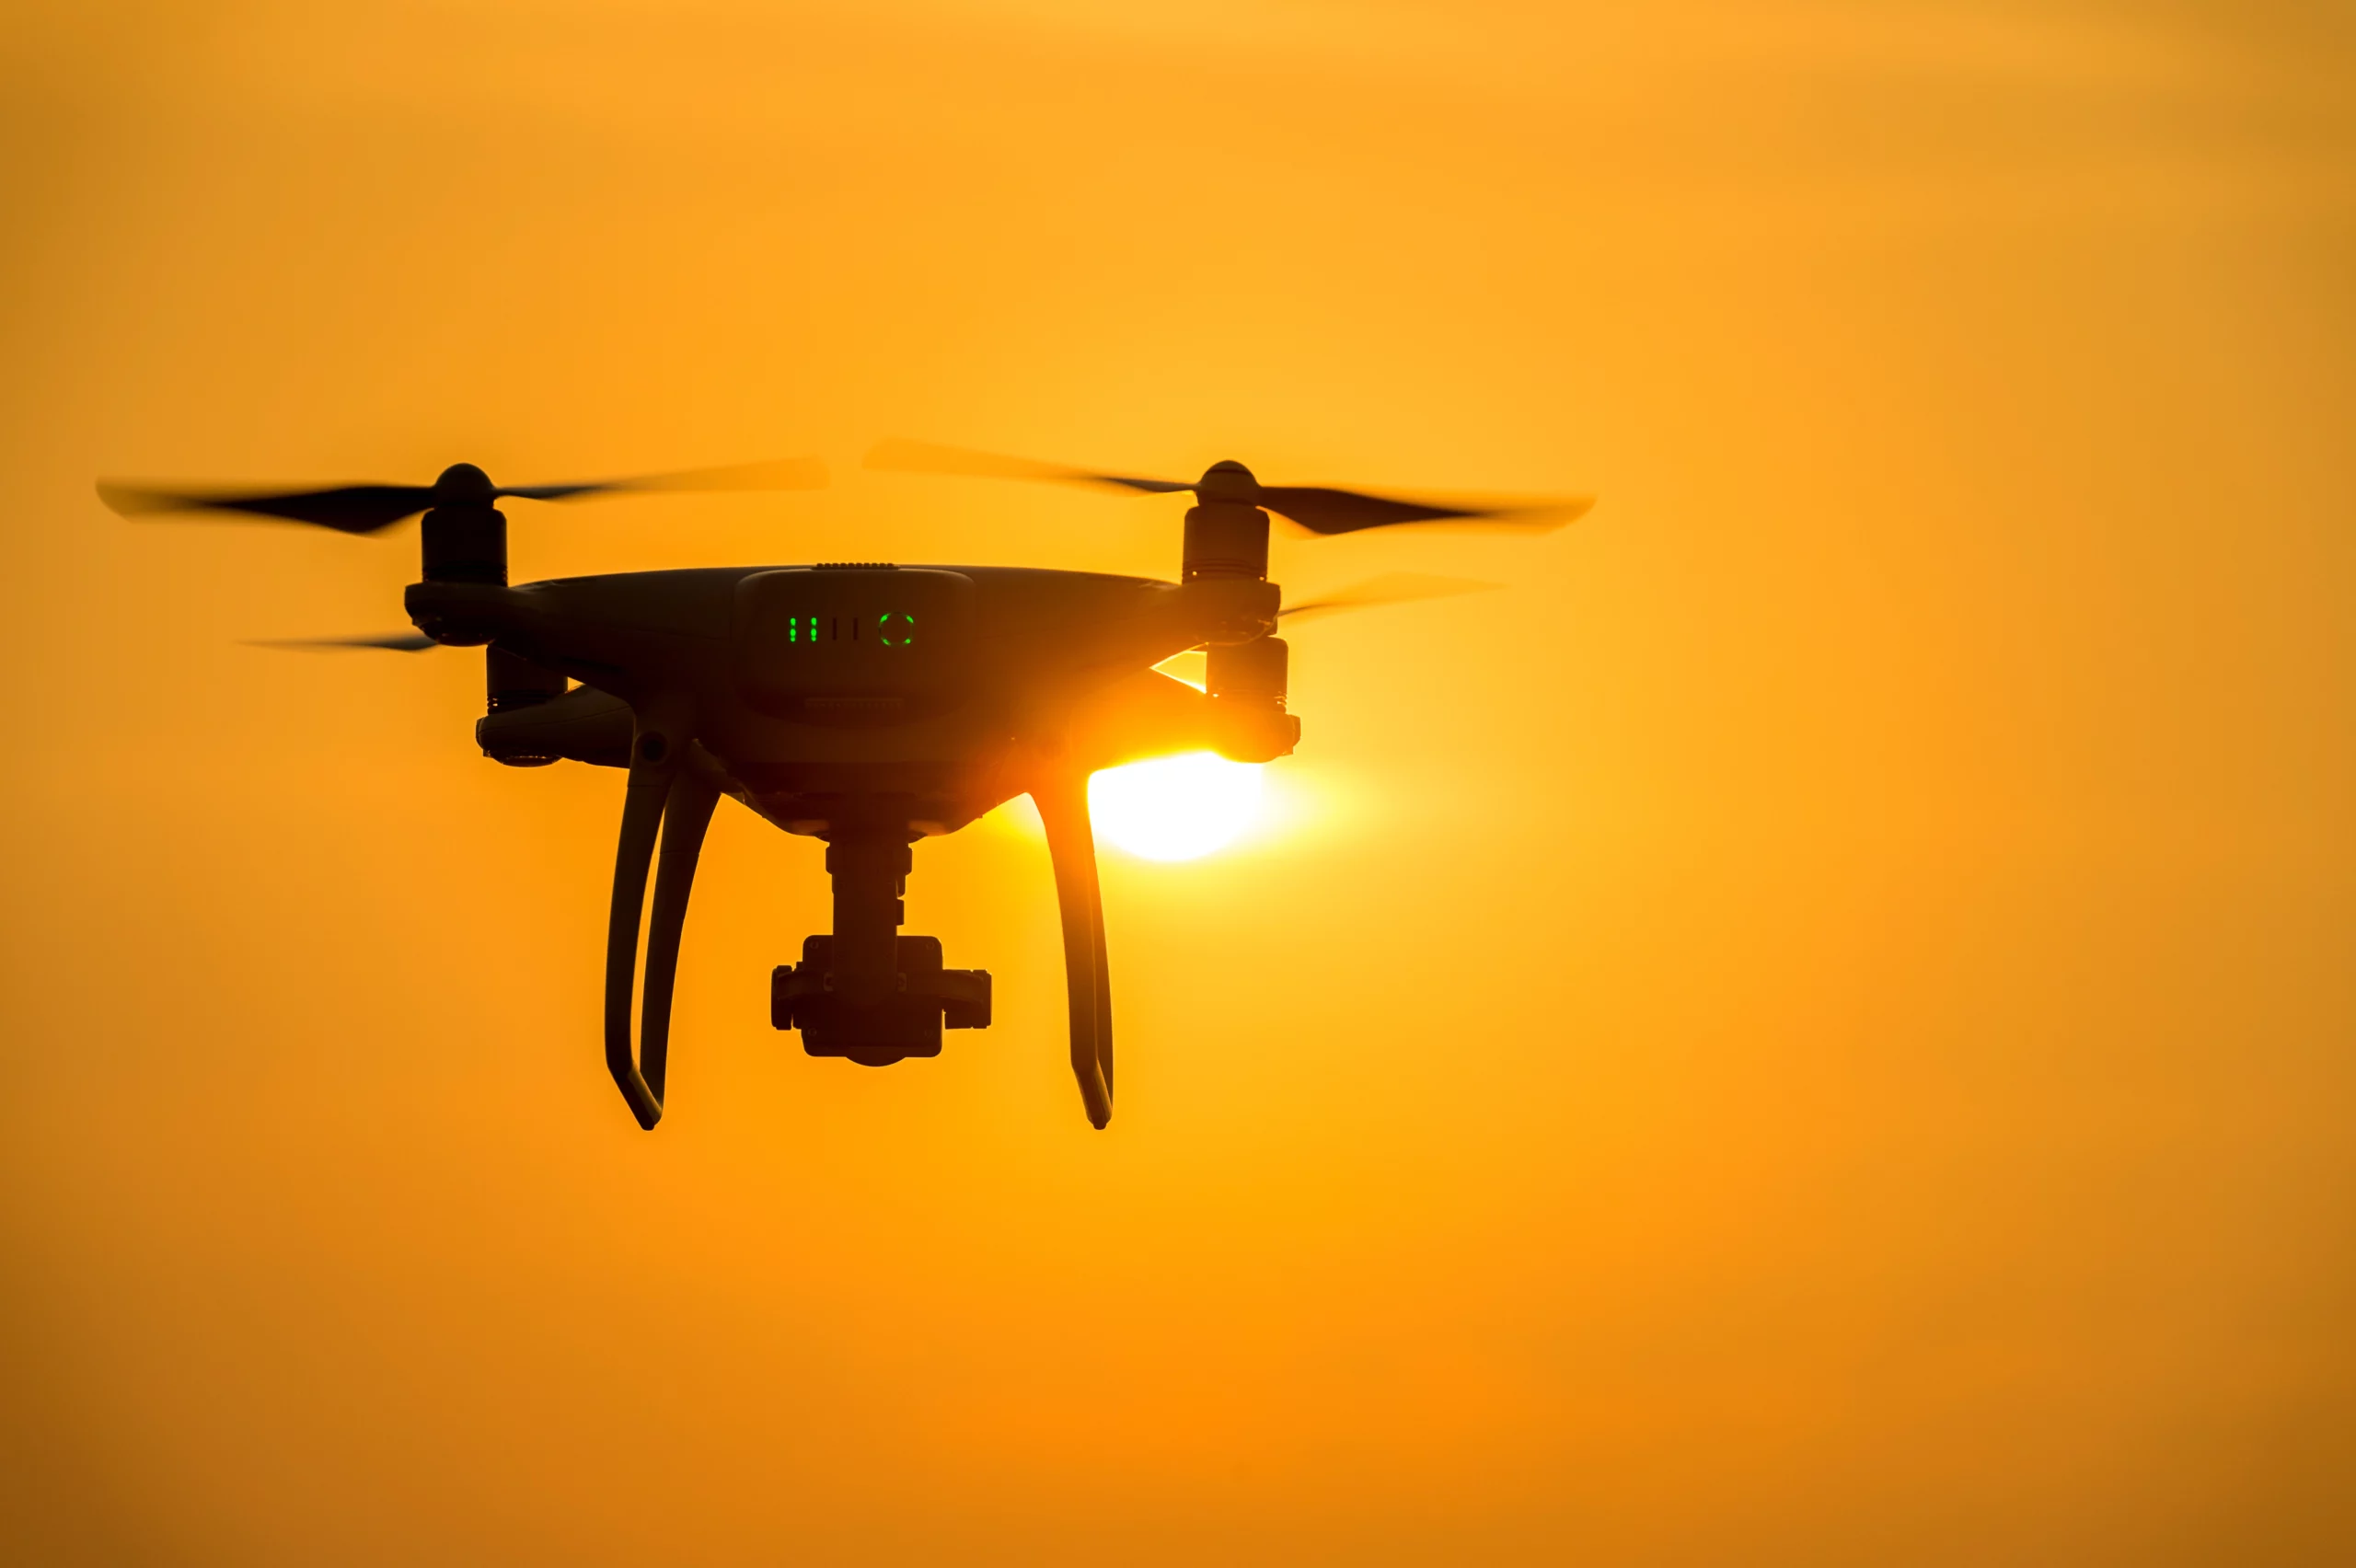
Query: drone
(862, 703)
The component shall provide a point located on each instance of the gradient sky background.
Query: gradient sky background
(1815, 1029)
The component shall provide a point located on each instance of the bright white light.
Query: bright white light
(1176, 808)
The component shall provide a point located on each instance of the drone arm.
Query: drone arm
(1063, 807)
(584, 725)
(687, 813)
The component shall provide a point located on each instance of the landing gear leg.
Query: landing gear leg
(1071, 844)
(654, 762)
(687, 813)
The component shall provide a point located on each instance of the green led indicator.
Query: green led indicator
(907, 628)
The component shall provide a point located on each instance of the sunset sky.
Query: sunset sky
(1816, 1026)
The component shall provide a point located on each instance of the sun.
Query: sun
(1176, 808)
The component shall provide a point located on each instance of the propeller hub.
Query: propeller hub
(1228, 481)
(463, 484)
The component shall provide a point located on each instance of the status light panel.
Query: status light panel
(893, 629)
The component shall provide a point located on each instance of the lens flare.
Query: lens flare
(1176, 808)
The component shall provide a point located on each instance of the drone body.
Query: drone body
(866, 704)
(869, 705)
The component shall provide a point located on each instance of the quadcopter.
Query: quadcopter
(865, 704)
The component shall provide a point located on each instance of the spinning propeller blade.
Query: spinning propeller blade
(1324, 511)
(351, 508)
(1317, 508)
(899, 456)
(369, 509)
(1398, 588)
(392, 643)
(788, 474)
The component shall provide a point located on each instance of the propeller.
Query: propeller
(1317, 508)
(367, 508)
(392, 643)
(1398, 588)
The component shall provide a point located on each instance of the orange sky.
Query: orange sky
(1814, 1030)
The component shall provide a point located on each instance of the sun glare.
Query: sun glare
(1176, 808)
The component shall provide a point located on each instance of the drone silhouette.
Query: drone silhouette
(865, 704)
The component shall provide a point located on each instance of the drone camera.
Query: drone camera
(905, 1024)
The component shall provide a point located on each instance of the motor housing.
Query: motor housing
(1226, 538)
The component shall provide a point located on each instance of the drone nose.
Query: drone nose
(1228, 481)
(464, 483)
